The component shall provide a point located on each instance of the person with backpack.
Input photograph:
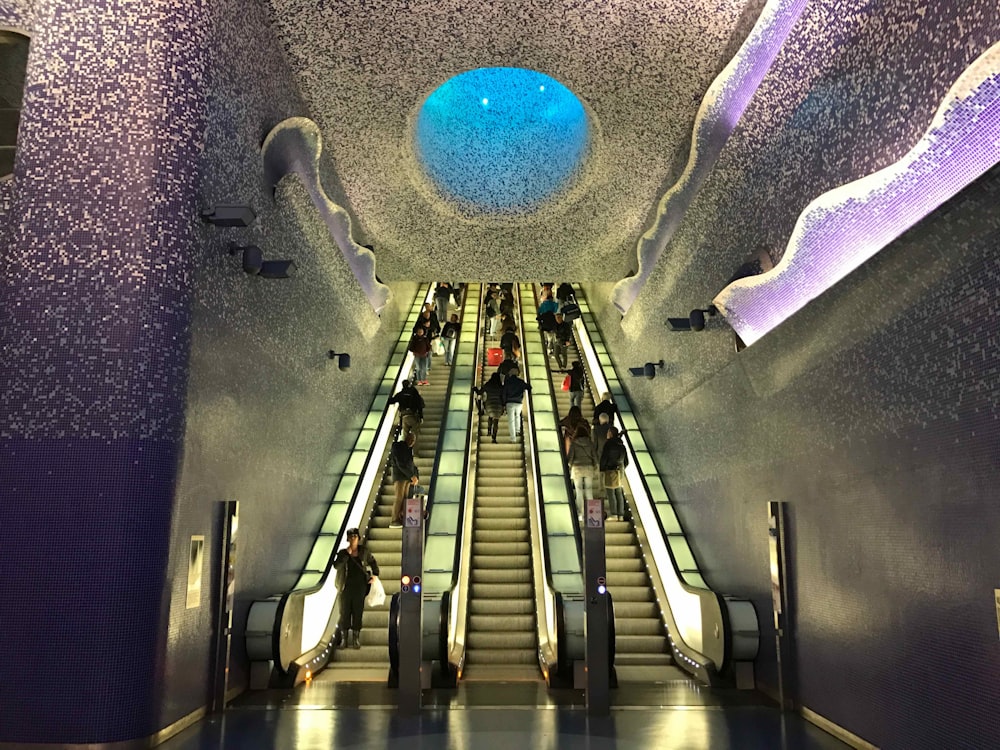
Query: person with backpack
(562, 336)
(576, 381)
(411, 409)
(614, 459)
(582, 461)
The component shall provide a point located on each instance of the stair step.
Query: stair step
(500, 575)
(501, 591)
(497, 640)
(506, 536)
(501, 656)
(503, 607)
(641, 644)
(522, 623)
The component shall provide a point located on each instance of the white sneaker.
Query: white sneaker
(395, 525)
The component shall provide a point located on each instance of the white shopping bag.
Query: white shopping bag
(376, 596)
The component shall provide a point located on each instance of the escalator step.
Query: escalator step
(502, 656)
(522, 623)
(635, 609)
(498, 511)
(501, 606)
(618, 579)
(496, 498)
(637, 626)
(500, 575)
(641, 660)
(482, 535)
(632, 594)
(502, 524)
(625, 565)
(501, 548)
(497, 562)
(622, 552)
(501, 591)
(641, 644)
(497, 640)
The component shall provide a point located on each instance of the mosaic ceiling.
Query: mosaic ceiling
(819, 94)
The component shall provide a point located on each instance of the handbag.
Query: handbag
(567, 381)
(376, 596)
(437, 347)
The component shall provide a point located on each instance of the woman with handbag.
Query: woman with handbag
(574, 381)
(356, 570)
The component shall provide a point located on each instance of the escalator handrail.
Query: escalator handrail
(546, 593)
(455, 605)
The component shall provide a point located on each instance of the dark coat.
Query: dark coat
(564, 332)
(366, 566)
(401, 460)
(614, 455)
(492, 393)
(410, 401)
(513, 389)
(582, 453)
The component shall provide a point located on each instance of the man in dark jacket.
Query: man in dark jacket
(563, 335)
(411, 409)
(507, 367)
(510, 343)
(614, 459)
(606, 406)
(513, 398)
(420, 345)
(404, 476)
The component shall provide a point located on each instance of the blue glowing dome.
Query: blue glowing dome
(501, 139)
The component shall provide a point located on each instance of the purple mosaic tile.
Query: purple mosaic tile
(841, 230)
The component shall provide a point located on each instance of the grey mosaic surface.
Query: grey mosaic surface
(640, 69)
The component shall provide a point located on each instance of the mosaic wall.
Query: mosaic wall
(853, 89)
(873, 414)
(269, 417)
(95, 340)
(147, 375)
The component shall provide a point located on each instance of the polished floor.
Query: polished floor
(503, 716)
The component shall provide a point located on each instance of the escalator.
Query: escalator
(641, 641)
(385, 543)
(502, 640)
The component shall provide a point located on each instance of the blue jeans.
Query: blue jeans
(575, 399)
(514, 419)
(449, 350)
(421, 366)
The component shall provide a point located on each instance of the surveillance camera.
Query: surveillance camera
(647, 371)
(229, 216)
(343, 360)
(697, 317)
(253, 259)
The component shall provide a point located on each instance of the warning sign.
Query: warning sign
(413, 513)
(595, 513)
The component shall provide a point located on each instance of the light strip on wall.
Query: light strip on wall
(723, 106)
(846, 226)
